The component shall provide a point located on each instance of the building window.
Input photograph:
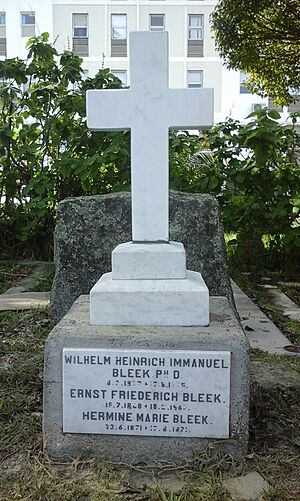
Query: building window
(121, 75)
(195, 78)
(195, 35)
(118, 26)
(244, 77)
(119, 35)
(157, 22)
(80, 25)
(80, 35)
(2, 34)
(28, 24)
(196, 27)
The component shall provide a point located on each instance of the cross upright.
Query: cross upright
(149, 109)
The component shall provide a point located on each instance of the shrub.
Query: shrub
(47, 152)
(253, 171)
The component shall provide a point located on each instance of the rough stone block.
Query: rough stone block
(89, 228)
(223, 334)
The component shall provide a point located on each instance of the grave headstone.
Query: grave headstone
(83, 249)
(147, 377)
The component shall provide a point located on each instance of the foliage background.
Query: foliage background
(47, 154)
(261, 38)
(46, 151)
(253, 171)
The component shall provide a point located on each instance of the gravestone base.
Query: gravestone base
(224, 334)
(148, 302)
(148, 260)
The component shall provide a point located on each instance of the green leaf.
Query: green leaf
(274, 114)
(240, 178)
(213, 183)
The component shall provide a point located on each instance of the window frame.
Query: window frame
(75, 26)
(121, 71)
(3, 14)
(124, 16)
(244, 77)
(157, 28)
(191, 85)
(31, 14)
(26, 32)
(199, 28)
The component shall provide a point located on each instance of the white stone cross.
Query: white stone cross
(149, 108)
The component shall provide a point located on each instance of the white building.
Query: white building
(98, 30)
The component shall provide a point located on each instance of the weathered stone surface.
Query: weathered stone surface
(89, 228)
(250, 487)
(74, 331)
(260, 330)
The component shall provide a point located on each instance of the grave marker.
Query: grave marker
(147, 378)
(149, 283)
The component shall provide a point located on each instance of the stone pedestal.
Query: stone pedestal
(149, 261)
(223, 335)
(150, 302)
(149, 285)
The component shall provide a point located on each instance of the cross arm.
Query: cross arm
(109, 109)
(190, 108)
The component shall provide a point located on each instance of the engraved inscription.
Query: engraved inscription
(146, 392)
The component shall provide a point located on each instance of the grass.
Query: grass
(27, 474)
(22, 341)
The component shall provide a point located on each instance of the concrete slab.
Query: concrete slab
(283, 302)
(259, 329)
(289, 284)
(24, 301)
(27, 262)
(250, 487)
(39, 272)
(74, 331)
(150, 302)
